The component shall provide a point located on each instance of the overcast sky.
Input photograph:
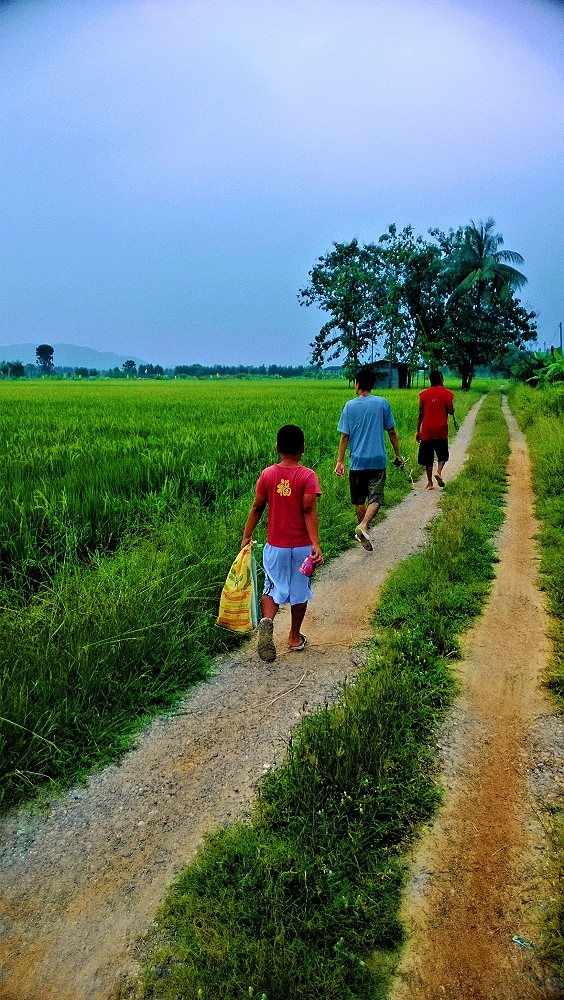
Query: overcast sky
(170, 169)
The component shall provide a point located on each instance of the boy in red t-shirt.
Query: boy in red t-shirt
(290, 490)
(435, 404)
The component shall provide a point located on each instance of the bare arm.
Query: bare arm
(255, 514)
(309, 508)
(343, 445)
(419, 422)
(393, 436)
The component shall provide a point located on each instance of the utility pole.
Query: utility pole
(560, 328)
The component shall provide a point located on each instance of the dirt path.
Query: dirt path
(481, 871)
(80, 886)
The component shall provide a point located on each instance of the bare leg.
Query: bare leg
(268, 606)
(369, 514)
(429, 471)
(360, 513)
(298, 613)
(438, 477)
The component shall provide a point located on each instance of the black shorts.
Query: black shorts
(428, 450)
(367, 486)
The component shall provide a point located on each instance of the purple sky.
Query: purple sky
(172, 169)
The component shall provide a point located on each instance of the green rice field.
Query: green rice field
(121, 508)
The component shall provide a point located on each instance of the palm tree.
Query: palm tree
(482, 274)
(478, 263)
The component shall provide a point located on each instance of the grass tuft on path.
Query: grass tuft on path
(302, 902)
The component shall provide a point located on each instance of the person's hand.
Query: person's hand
(418, 436)
(399, 462)
(246, 541)
(340, 469)
(317, 555)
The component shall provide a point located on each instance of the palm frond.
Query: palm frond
(510, 255)
(511, 276)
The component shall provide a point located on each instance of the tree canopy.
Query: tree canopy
(44, 354)
(449, 300)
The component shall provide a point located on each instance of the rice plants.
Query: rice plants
(121, 508)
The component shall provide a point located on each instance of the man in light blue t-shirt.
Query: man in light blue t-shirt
(362, 425)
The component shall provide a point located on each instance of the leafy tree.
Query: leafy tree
(346, 284)
(44, 354)
(472, 339)
(12, 369)
(129, 367)
(93, 372)
(81, 372)
(150, 371)
(414, 312)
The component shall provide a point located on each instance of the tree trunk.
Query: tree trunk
(467, 374)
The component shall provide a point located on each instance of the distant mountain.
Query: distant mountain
(67, 356)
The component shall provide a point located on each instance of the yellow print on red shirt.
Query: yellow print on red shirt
(284, 488)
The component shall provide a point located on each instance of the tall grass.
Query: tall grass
(123, 507)
(540, 413)
(301, 903)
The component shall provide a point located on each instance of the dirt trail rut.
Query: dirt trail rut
(480, 872)
(79, 886)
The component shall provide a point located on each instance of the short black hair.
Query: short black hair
(366, 379)
(435, 377)
(290, 440)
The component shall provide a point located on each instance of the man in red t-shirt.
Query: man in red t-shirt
(435, 404)
(290, 490)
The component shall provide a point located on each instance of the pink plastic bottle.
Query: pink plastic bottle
(308, 565)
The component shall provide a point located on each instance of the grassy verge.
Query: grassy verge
(540, 415)
(302, 901)
(102, 646)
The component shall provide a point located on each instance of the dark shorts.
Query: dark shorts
(367, 486)
(428, 450)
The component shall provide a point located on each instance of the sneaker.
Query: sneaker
(265, 646)
(363, 538)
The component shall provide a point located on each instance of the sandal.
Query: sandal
(439, 479)
(300, 646)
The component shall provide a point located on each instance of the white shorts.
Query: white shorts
(283, 581)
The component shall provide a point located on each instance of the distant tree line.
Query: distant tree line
(242, 371)
(46, 367)
(447, 301)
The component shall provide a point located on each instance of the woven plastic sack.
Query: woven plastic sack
(238, 605)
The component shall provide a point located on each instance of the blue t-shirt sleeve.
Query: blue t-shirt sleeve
(388, 417)
(343, 425)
